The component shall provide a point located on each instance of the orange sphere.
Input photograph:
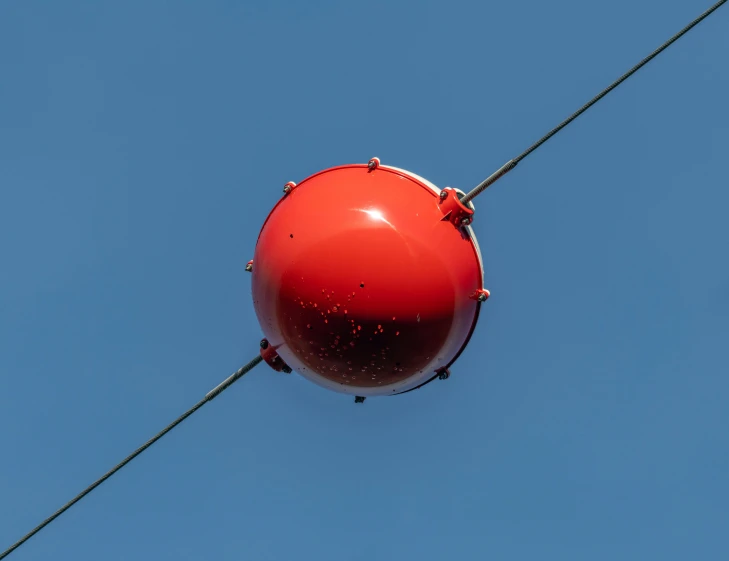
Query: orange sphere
(366, 280)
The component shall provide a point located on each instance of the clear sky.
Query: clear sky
(142, 144)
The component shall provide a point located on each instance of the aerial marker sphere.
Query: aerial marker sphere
(367, 279)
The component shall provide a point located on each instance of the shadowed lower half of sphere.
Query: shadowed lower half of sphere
(368, 295)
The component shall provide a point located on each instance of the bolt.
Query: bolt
(466, 221)
(249, 266)
(264, 344)
(482, 298)
(286, 369)
(289, 187)
(443, 195)
(444, 374)
(359, 399)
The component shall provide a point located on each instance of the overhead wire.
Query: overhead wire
(212, 394)
(511, 164)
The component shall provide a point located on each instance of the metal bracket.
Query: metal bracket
(481, 295)
(453, 209)
(269, 354)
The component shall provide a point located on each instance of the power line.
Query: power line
(511, 164)
(215, 392)
(212, 394)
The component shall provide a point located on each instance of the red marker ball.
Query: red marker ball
(399, 258)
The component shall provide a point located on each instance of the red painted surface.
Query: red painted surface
(359, 283)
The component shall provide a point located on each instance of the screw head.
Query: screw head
(444, 375)
(264, 344)
(443, 195)
(467, 221)
(286, 369)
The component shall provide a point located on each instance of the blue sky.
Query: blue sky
(141, 147)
